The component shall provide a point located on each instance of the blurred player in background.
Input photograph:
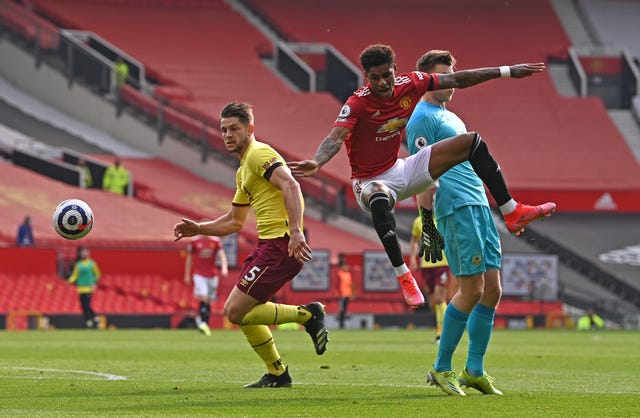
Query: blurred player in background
(372, 124)
(472, 242)
(85, 276)
(201, 268)
(265, 184)
(345, 289)
(434, 275)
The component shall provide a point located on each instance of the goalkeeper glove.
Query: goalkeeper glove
(431, 241)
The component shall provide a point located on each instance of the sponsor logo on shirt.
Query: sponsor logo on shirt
(393, 127)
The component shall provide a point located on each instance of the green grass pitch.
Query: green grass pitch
(363, 374)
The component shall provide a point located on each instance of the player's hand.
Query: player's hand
(526, 70)
(186, 228)
(431, 241)
(305, 168)
(299, 248)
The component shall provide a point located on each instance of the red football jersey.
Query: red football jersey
(204, 252)
(378, 124)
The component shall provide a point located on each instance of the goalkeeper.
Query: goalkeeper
(472, 241)
(433, 265)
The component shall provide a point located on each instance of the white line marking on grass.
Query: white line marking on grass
(106, 376)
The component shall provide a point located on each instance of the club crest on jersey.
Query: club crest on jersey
(269, 163)
(405, 102)
(476, 259)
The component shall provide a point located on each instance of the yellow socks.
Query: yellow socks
(261, 340)
(273, 314)
(439, 310)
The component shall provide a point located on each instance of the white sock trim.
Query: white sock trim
(508, 207)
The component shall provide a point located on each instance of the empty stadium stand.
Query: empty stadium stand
(213, 69)
(119, 221)
(613, 22)
(550, 148)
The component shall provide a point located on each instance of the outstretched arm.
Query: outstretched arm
(226, 224)
(327, 149)
(467, 78)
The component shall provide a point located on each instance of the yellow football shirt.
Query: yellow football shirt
(255, 189)
(416, 232)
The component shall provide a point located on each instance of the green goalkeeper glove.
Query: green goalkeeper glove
(431, 241)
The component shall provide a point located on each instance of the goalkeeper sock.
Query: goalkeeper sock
(452, 329)
(480, 327)
(270, 313)
(261, 340)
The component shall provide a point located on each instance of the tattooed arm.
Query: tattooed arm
(468, 78)
(327, 149)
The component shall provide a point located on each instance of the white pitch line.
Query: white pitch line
(107, 376)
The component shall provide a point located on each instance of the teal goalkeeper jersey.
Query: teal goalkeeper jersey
(460, 186)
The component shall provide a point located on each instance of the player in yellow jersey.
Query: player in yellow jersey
(435, 274)
(264, 183)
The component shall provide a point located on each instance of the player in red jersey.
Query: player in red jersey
(201, 268)
(372, 125)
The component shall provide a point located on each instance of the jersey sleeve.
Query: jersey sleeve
(240, 198)
(348, 117)
(424, 131)
(96, 270)
(263, 160)
(424, 81)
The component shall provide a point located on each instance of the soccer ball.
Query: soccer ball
(73, 219)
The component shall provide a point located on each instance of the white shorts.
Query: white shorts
(205, 287)
(408, 177)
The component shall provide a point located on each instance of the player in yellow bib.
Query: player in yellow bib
(264, 183)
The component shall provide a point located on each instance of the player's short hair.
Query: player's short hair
(375, 55)
(428, 61)
(242, 111)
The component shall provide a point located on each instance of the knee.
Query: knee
(492, 294)
(437, 298)
(233, 313)
(473, 294)
(376, 191)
